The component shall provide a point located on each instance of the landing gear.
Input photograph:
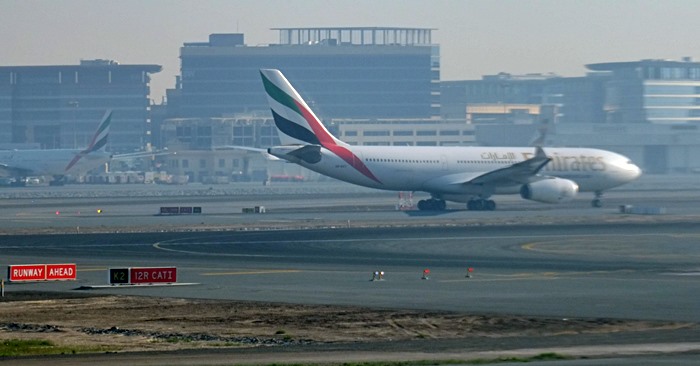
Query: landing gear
(481, 205)
(58, 180)
(19, 182)
(597, 201)
(432, 205)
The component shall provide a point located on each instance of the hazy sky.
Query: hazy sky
(476, 37)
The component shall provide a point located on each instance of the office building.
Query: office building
(651, 91)
(60, 106)
(348, 72)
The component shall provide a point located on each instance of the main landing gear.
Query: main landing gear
(58, 180)
(432, 205)
(597, 201)
(481, 205)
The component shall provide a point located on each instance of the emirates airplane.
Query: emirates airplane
(58, 162)
(468, 175)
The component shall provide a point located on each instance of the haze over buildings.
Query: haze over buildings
(448, 73)
(476, 37)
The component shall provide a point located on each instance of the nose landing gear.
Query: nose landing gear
(598, 200)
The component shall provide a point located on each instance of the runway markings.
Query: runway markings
(530, 276)
(239, 273)
(640, 247)
(160, 247)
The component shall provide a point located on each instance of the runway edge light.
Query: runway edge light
(470, 270)
(377, 276)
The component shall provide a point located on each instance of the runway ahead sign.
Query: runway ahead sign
(42, 272)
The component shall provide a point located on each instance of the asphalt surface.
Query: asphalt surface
(634, 271)
(322, 248)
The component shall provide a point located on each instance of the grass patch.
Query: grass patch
(177, 340)
(540, 357)
(490, 361)
(34, 347)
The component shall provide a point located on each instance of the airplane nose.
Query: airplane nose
(635, 172)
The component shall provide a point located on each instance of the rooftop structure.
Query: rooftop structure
(355, 36)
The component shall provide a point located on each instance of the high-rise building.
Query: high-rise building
(352, 72)
(61, 106)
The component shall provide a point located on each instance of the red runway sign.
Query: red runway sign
(59, 272)
(153, 275)
(42, 272)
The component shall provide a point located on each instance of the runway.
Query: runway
(633, 271)
(564, 261)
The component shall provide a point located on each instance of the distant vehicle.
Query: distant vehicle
(461, 174)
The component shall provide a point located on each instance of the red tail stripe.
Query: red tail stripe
(329, 143)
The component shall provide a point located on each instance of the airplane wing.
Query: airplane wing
(141, 154)
(248, 148)
(13, 171)
(518, 173)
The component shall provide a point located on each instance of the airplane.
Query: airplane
(58, 162)
(21, 164)
(465, 174)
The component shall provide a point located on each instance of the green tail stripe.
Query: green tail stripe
(104, 125)
(279, 95)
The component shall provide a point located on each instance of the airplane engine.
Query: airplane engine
(552, 190)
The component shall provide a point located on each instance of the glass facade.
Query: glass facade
(61, 106)
(655, 91)
(365, 78)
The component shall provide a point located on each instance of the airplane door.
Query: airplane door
(443, 163)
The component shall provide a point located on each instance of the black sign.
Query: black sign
(169, 210)
(118, 276)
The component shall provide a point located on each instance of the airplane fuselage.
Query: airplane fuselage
(51, 162)
(439, 170)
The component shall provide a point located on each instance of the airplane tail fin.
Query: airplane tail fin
(99, 139)
(296, 122)
(98, 142)
(541, 134)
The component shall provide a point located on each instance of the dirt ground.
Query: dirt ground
(129, 323)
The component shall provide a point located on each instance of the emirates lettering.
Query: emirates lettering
(582, 163)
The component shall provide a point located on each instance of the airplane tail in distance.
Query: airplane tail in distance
(296, 122)
(99, 140)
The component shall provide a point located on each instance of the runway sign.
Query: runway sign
(118, 276)
(42, 272)
(152, 275)
(61, 272)
(177, 210)
(169, 210)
